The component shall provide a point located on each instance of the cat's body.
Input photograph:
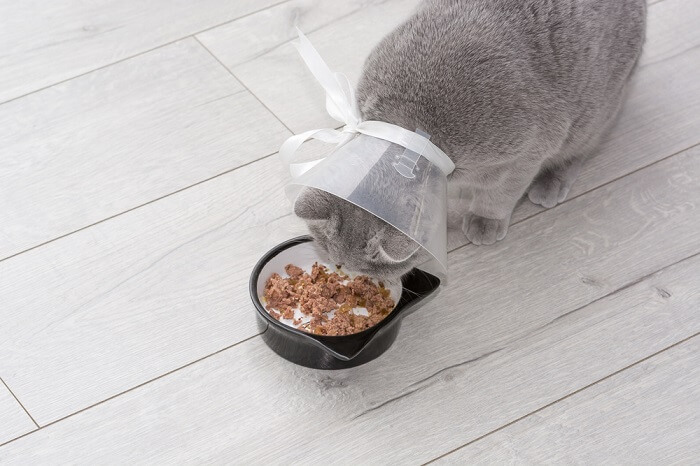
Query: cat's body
(517, 92)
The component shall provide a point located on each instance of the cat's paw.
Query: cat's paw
(552, 186)
(547, 191)
(481, 230)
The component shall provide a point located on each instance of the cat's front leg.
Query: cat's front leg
(492, 203)
(552, 184)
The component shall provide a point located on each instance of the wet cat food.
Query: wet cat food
(323, 302)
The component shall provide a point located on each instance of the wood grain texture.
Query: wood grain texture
(44, 43)
(648, 414)
(119, 303)
(519, 336)
(111, 140)
(280, 78)
(255, 35)
(673, 28)
(13, 420)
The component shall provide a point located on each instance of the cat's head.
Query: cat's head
(356, 239)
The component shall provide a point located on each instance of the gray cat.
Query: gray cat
(518, 93)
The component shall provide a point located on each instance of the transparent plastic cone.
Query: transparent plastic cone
(393, 183)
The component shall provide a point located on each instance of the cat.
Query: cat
(518, 93)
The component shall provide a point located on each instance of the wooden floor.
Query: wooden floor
(139, 185)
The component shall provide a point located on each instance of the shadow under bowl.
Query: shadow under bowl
(331, 352)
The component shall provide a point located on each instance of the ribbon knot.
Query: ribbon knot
(341, 105)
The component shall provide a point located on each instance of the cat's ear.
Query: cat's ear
(313, 204)
(395, 247)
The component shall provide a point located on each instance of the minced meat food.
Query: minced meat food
(319, 293)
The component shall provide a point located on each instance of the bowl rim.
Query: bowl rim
(365, 336)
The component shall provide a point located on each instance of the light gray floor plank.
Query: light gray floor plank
(673, 28)
(161, 286)
(648, 414)
(247, 38)
(111, 140)
(13, 420)
(44, 43)
(119, 303)
(505, 340)
(280, 78)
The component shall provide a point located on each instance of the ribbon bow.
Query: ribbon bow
(342, 106)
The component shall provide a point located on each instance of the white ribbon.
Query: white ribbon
(341, 105)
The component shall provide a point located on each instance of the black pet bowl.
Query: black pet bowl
(325, 352)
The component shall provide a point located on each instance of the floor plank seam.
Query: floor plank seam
(623, 288)
(632, 283)
(246, 15)
(85, 73)
(19, 402)
(426, 382)
(226, 172)
(132, 388)
(590, 190)
(242, 84)
(419, 385)
(680, 342)
(262, 53)
(670, 57)
(191, 34)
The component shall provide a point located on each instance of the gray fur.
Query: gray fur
(518, 93)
